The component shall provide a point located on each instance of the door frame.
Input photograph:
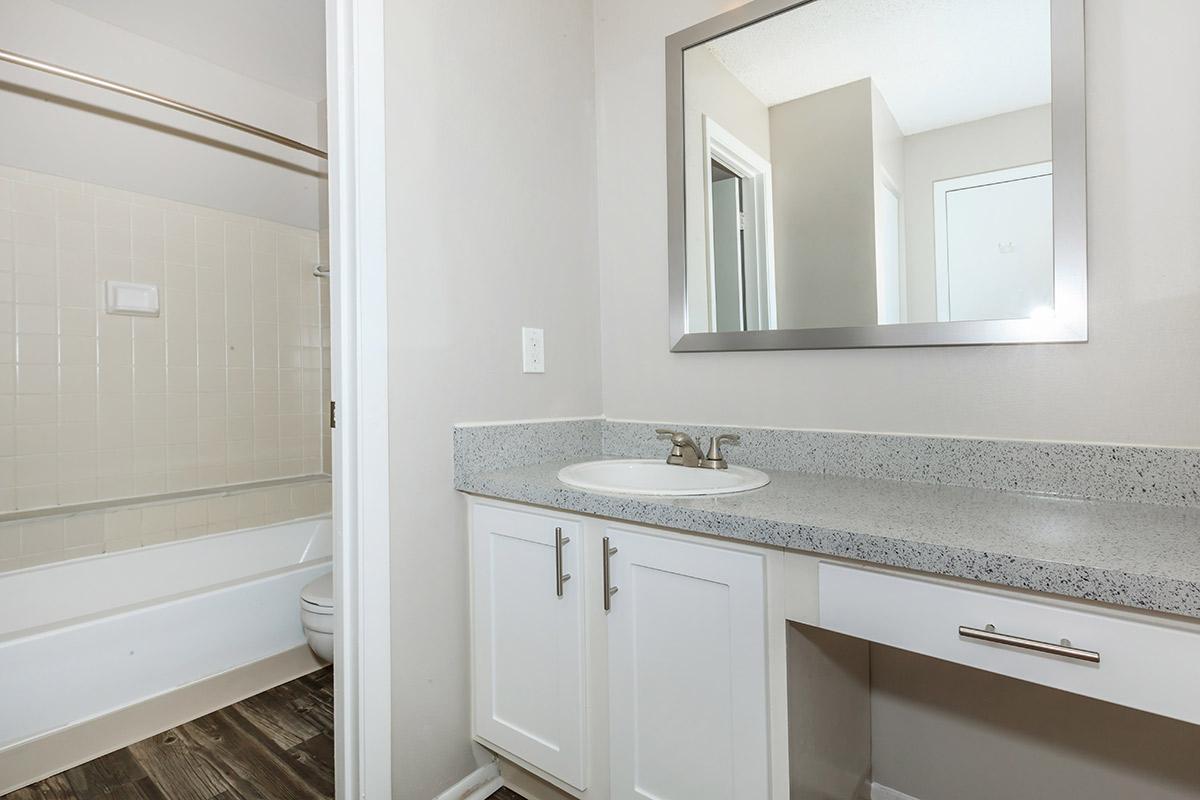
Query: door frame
(884, 183)
(758, 243)
(354, 46)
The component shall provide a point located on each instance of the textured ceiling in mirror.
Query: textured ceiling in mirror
(937, 62)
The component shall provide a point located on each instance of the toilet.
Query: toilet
(316, 615)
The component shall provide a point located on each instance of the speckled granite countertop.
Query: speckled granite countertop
(1137, 555)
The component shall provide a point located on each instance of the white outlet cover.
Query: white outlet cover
(533, 350)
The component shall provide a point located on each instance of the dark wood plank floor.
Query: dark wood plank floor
(277, 745)
(506, 794)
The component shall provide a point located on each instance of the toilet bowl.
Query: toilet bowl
(316, 615)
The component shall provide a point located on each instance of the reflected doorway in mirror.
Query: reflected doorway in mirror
(739, 266)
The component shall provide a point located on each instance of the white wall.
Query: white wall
(491, 205)
(1005, 140)
(493, 225)
(1136, 381)
(823, 179)
(712, 91)
(58, 127)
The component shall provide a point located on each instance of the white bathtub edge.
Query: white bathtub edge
(165, 601)
(151, 548)
(62, 749)
(175, 568)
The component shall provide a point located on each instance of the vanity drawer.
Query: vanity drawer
(1144, 664)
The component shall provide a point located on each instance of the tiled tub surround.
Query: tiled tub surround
(47, 538)
(1141, 555)
(223, 387)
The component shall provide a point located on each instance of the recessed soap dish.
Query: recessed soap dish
(135, 299)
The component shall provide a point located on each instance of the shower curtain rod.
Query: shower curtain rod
(92, 80)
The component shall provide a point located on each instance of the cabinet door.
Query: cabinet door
(528, 643)
(687, 671)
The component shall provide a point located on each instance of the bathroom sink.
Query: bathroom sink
(654, 477)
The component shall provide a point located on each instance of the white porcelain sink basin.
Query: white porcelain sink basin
(651, 476)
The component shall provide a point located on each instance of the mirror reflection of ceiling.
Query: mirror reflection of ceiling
(936, 62)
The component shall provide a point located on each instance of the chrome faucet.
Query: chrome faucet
(686, 453)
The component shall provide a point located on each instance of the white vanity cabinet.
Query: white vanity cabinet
(683, 666)
(664, 695)
(687, 670)
(527, 637)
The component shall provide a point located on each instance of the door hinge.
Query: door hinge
(741, 220)
(332, 414)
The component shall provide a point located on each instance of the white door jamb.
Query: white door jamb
(358, 292)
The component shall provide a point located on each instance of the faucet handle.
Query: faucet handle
(676, 456)
(714, 459)
(678, 438)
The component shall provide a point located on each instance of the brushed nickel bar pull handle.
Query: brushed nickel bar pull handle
(609, 590)
(560, 577)
(989, 634)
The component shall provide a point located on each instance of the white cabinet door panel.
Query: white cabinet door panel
(528, 642)
(687, 671)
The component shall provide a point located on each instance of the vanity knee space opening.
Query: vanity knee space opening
(867, 720)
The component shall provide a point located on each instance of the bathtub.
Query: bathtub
(84, 638)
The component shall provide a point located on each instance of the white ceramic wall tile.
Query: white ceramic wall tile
(57, 537)
(229, 384)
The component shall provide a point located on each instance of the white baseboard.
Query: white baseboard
(881, 792)
(479, 785)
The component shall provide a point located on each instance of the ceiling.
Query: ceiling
(936, 62)
(277, 42)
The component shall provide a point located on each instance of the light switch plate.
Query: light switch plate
(533, 350)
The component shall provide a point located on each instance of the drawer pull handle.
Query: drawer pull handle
(609, 589)
(989, 634)
(560, 576)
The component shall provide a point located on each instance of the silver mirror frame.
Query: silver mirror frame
(1070, 211)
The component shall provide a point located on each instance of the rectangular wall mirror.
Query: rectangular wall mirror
(877, 173)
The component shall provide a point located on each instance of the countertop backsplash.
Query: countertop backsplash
(1119, 473)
